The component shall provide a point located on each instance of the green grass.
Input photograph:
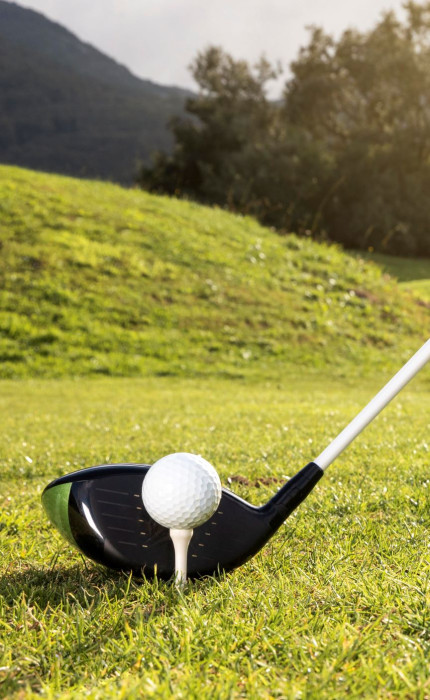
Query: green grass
(336, 605)
(270, 346)
(412, 273)
(96, 279)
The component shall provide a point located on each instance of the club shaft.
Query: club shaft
(375, 406)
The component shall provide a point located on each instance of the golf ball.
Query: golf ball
(181, 491)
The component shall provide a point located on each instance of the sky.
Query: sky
(158, 39)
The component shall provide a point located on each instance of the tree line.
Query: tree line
(344, 154)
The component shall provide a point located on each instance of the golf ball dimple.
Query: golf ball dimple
(181, 491)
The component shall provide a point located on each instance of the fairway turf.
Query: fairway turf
(336, 605)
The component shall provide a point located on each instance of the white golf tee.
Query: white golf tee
(181, 540)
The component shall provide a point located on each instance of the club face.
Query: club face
(100, 510)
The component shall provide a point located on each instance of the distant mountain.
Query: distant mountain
(68, 108)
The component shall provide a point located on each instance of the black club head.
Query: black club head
(100, 511)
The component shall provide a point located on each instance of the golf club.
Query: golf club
(100, 509)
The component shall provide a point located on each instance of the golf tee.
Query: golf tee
(181, 540)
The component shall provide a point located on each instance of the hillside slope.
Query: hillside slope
(100, 279)
(66, 107)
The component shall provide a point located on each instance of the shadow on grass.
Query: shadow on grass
(58, 585)
(404, 269)
(85, 584)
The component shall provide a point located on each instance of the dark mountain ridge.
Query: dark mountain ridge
(68, 108)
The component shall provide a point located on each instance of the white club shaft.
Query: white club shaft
(375, 406)
(181, 540)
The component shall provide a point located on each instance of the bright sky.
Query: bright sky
(157, 39)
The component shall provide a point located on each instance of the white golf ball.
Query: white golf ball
(181, 491)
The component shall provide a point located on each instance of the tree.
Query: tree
(345, 154)
(367, 99)
(230, 109)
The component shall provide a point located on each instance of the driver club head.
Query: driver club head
(100, 511)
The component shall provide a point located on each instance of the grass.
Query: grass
(411, 273)
(336, 605)
(269, 345)
(97, 279)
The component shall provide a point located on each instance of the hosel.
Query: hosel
(291, 495)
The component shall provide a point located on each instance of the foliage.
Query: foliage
(336, 605)
(235, 151)
(96, 279)
(227, 115)
(344, 155)
(366, 98)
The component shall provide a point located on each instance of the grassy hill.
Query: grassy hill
(96, 279)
